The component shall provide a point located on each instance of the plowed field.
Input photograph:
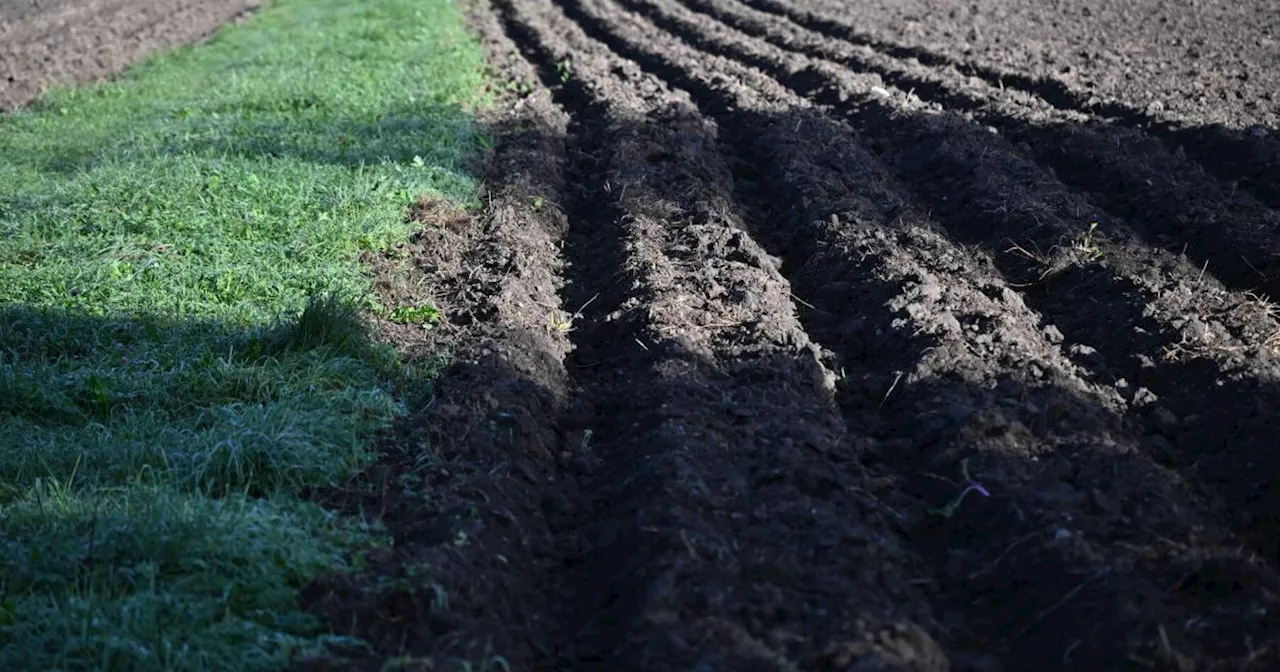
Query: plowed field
(899, 335)
(761, 290)
(47, 43)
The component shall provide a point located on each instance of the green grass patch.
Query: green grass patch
(426, 315)
(180, 352)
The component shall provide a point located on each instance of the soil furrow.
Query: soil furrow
(1171, 200)
(821, 18)
(1250, 158)
(1056, 424)
(806, 334)
(720, 451)
(38, 51)
(1155, 306)
(488, 454)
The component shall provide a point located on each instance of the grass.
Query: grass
(180, 349)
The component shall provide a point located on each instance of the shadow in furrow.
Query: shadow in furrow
(1131, 319)
(1090, 442)
(1171, 202)
(718, 453)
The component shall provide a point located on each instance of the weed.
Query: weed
(953, 506)
(560, 324)
(328, 320)
(1088, 243)
(426, 315)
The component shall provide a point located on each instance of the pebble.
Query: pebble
(1144, 397)
(1082, 350)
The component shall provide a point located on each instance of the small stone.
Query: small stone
(1144, 397)
(1053, 334)
(1082, 350)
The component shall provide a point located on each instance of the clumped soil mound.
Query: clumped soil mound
(785, 347)
(45, 43)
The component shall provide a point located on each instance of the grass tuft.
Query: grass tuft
(330, 321)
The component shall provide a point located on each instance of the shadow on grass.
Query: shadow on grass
(398, 135)
(141, 475)
(98, 401)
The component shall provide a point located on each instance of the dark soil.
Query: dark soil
(1205, 62)
(757, 296)
(763, 286)
(47, 43)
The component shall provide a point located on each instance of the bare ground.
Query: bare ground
(47, 43)
(798, 288)
(764, 285)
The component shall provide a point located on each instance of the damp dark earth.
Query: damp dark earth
(900, 335)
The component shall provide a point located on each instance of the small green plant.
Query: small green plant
(1088, 243)
(538, 203)
(971, 486)
(565, 69)
(559, 324)
(522, 87)
(426, 315)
